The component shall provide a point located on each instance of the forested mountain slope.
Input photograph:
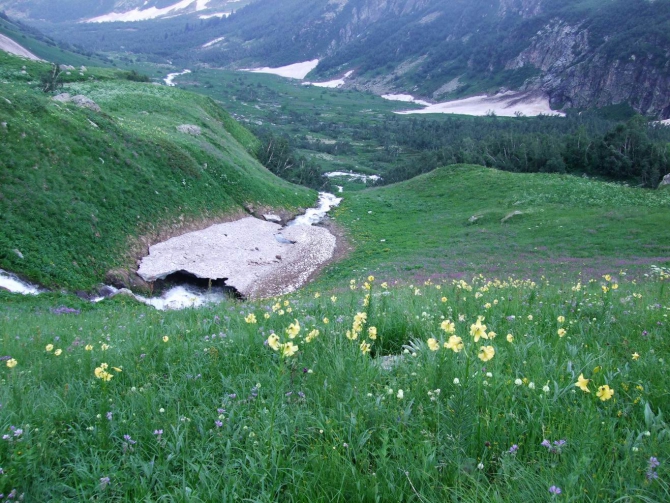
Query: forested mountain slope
(581, 53)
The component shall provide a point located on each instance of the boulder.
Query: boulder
(189, 129)
(82, 101)
(665, 182)
(272, 218)
(62, 98)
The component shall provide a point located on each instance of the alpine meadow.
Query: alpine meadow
(335, 251)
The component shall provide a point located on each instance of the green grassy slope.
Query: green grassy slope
(568, 224)
(76, 186)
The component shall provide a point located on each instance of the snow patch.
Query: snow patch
(407, 98)
(220, 15)
(150, 13)
(332, 84)
(213, 42)
(8, 45)
(295, 71)
(508, 104)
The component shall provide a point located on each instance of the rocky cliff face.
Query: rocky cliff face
(577, 75)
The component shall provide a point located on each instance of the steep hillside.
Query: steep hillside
(82, 191)
(43, 47)
(116, 10)
(578, 53)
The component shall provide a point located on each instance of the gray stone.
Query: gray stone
(665, 182)
(18, 253)
(84, 102)
(62, 98)
(272, 218)
(189, 129)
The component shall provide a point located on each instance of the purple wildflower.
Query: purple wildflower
(158, 432)
(221, 411)
(559, 443)
(513, 449)
(12, 494)
(109, 416)
(218, 423)
(289, 393)
(128, 439)
(555, 490)
(104, 482)
(301, 394)
(546, 443)
(654, 463)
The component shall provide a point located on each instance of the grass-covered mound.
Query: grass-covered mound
(450, 222)
(542, 388)
(77, 187)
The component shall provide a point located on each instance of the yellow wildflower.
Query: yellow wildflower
(433, 345)
(105, 347)
(561, 332)
(286, 303)
(455, 343)
(333, 299)
(510, 338)
(385, 285)
(530, 317)
(478, 331)
(326, 321)
(273, 342)
(288, 349)
(443, 299)
(583, 383)
(312, 335)
(317, 295)
(448, 326)
(605, 289)
(165, 338)
(118, 369)
(365, 347)
(88, 347)
(636, 356)
(251, 318)
(11, 363)
(367, 286)
(352, 336)
(372, 333)
(58, 352)
(486, 353)
(371, 278)
(492, 335)
(561, 319)
(605, 393)
(293, 329)
(49, 347)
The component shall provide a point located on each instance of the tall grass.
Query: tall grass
(200, 407)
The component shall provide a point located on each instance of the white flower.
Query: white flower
(480, 466)
(489, 374)
(531, 385)
(545, 388)
(518, 382)
(456, 381)
(400, 394)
